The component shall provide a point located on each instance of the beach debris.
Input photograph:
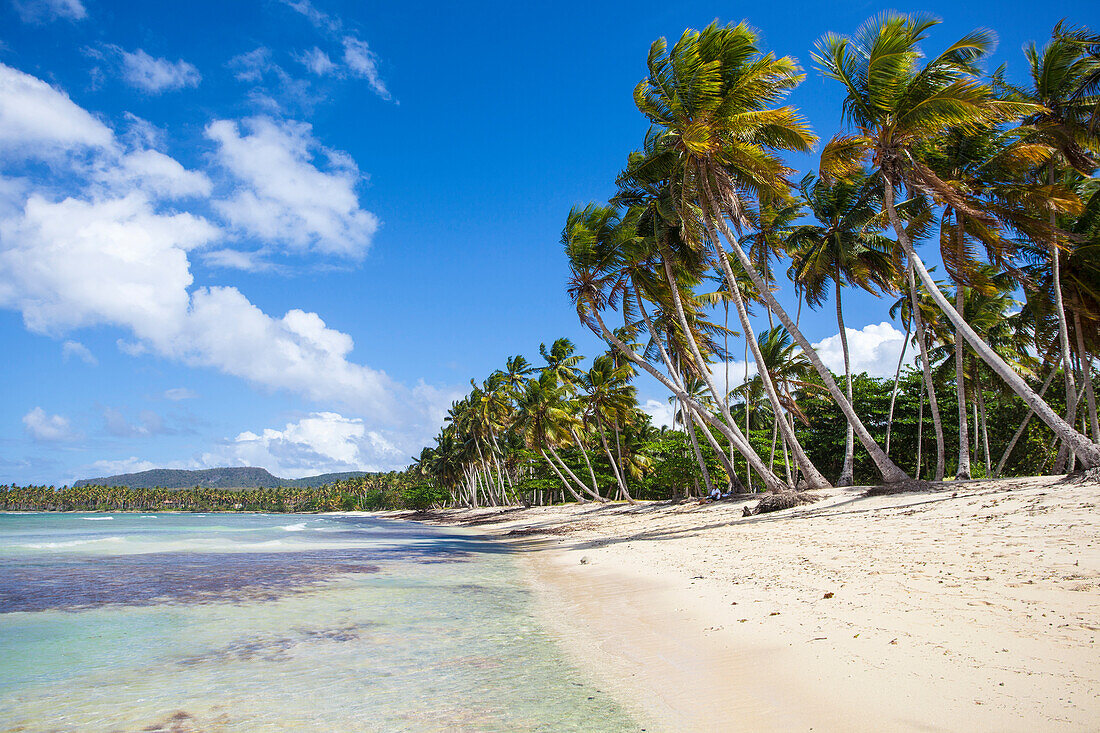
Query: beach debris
(828, 594)
(585, 560)
(781, 500)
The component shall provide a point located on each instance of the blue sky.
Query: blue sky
(287, 234)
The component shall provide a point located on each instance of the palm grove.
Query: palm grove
(708, 224)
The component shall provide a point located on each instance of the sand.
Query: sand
(971, 607)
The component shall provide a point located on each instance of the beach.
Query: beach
(969, 607)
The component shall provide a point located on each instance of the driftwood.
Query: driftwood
(781, 500)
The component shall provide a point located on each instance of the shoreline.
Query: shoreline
(970, 606)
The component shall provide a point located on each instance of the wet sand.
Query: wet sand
(973, 606)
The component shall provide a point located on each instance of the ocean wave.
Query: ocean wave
(70, 543)
(97, 519)
(294, 527)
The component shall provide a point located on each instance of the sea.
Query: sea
(275, 622)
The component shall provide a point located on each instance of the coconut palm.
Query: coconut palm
(710, 101)
(844, 247)
(898, 108)
(610, 398)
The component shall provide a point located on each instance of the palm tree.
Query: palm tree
(710, 104)
(609, 270)
(845, 247)
(609, 398)
(544, 419)
(899, 109)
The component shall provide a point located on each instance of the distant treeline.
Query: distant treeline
(394, 490)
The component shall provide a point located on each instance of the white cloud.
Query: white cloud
(48, 428)
(323, 442)
(317, 61)
(251, 66)
(283, 197)
(156, 75)
(362, 62)
(71, 349)
(109, 251)
(78, 263)
(320, 20)
(234, 259)
(156, 173)
(179, 393)
(873, 349)
(41, 11)
(660, 413)
(37, 120)
(105, 468)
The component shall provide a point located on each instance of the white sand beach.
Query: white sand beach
(971, 607)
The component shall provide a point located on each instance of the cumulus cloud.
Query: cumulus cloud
(156, 75)
(71, 349)
(660, 413)
(133, 464)
(873, 349)
(37, 120)
(48, 428)
(43, 11)
(323, 442)
(282, 196)
(115, 249)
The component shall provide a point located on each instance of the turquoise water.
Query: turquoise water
(183, 622)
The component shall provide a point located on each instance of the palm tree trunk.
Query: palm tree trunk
(920, 433)
(1086, 378)
(732, 433)
(962, 473)
(726, 348)
(748, 413)
(689, 426)
(814, 477)
(897, 380)
(985, 427)
(775, 435)
(1060, 310)
(718, 452)
(1023, 425)
(890, 471)
(569, 472)
(611, 459)
(580, 499)
(847, 471)
(926, 368)
(1086, 450)
(591, 473)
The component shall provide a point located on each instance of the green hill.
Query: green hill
(233, 477)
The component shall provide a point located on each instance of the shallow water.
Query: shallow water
(177, 622)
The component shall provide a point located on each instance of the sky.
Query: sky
(286, 233)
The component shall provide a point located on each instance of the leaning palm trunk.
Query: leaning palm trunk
(962, 473)
(734, 436)
(897, 380)
(1086, 378)
(727, 465)
(890, 471)
(814, 477)
(1086, 450)
(611, 459)
(1023, 424)
(926, 368)
(1060, 310)
(689, 427)
(580, 499)
(985, 427)
(569, 472)
(730, 429)
(847, 471)
(584, 452)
